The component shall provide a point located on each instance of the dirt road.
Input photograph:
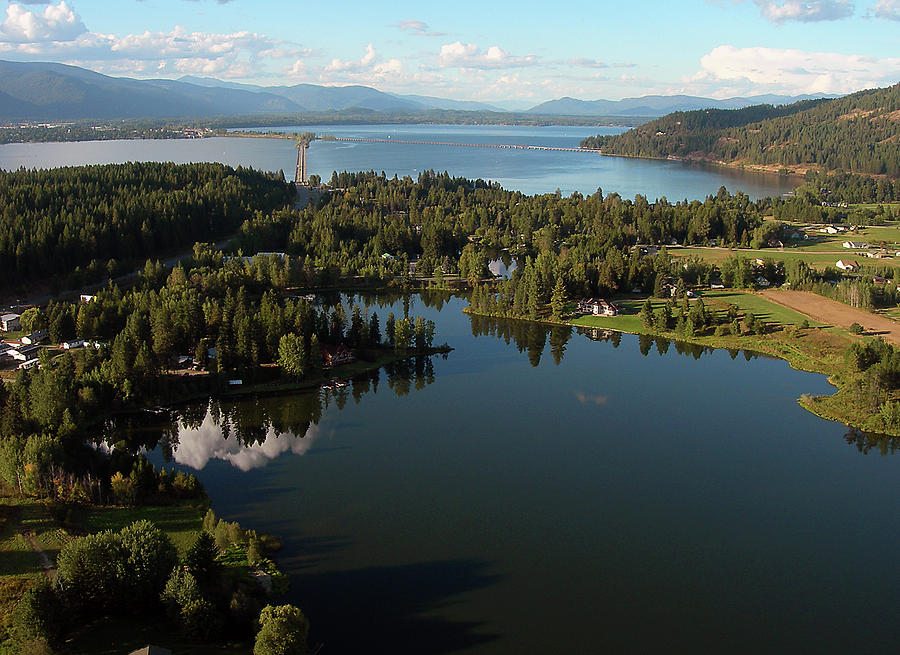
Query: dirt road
(835, 313)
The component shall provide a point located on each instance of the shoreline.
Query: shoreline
(775, 344)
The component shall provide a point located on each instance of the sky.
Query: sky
(520, 52)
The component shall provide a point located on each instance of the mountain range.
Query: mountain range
(658, 105)
(41, 91)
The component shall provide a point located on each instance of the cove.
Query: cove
(539, 491)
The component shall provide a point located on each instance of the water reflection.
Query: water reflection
(250, 432)
(870, 442)
(532, 338)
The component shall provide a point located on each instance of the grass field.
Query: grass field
(181, 522)
(816, 258)
(716, 300)
(52, 528)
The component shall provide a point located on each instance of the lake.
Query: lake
(528, 171)
(544, 491)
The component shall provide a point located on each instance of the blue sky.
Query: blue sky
(521, 52)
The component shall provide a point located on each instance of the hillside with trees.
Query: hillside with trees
(78, 224)
(858, 133)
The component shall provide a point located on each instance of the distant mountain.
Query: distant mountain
(326, 98)
(858, 133)
(48, 91)
(656, 105)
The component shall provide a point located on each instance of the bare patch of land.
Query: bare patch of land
(835, 313)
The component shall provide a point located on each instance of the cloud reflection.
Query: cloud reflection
(197, 446)
(595, 399)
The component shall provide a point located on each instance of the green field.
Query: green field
(51, 528)
(181, 522)
(717, 299)
(809, 255)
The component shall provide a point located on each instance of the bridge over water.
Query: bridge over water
(510, 146)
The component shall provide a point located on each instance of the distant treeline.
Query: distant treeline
(56, 221)
(92, 131)
(859, 132)
(432, 116)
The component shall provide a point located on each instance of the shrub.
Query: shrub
(37, 618)
(856, 328)
(283, 631)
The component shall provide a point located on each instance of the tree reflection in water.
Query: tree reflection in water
(250, 432)
(532, 338)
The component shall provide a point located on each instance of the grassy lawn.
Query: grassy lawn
(716, 300)
(19, 566)
(763, 309)
(812, 255)
(181, 521)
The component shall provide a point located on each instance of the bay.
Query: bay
(538, 491)
(528, 171)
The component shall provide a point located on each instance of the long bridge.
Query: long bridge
(510, 146)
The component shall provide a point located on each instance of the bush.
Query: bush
(200, 620)
(37, 618)
(180, 590)
(283, 630)
(151, 556)
(856, 328)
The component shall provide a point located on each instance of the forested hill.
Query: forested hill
(859, 133)
(90, 219)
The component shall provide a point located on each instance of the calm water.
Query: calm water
(528, 171)
(541, 492)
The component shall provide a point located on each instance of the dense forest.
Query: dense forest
(61, 221)
(448, 225)
(859, 132)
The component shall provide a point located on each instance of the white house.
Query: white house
(40, 336)
(70, 345)
(87, 297)
(855, 245)
(11, 322)
(848, 265)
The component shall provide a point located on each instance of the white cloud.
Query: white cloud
(729, 71)
(416, 27)
(469, 55)
(583, 62)
(779, 11)
(54, 23)
(60, 35)
(889, 9)
(340, 65)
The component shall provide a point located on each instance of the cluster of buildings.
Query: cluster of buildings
(22, 352)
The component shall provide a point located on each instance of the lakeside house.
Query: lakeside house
(597, 307)
(11, 322)
(40, 336)
(23, 353)
(848, 265)
(336, 355)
